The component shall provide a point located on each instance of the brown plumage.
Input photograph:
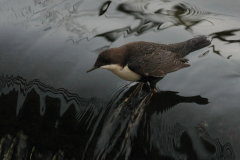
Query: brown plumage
(148, 61)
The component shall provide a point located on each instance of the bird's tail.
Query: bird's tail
(184, 48)
(197, 43)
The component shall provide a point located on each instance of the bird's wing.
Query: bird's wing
(156, 64)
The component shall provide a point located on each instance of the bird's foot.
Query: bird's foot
(153, 87)
(154, 90)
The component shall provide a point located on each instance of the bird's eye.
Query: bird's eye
(105, 60)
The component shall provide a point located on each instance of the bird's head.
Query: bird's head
(105, 58)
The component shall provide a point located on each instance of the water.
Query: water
(46, 47)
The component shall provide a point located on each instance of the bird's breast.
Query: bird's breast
(124, 73)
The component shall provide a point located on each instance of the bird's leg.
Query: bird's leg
(153, 87)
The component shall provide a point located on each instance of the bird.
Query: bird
(148, 62)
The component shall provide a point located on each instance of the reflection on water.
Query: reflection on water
(126, 124)
(214, 146)
(127, 18)
(53, 15)
(54, 41)
(152, 19)
(23, 88)
(225, 34)
(224, 37)
(104, 7)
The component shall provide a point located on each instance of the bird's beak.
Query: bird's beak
(94, 67)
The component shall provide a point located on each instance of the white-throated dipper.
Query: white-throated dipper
(148, 61)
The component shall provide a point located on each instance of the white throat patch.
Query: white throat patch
(124, 73)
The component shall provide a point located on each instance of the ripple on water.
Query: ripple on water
(126, 121)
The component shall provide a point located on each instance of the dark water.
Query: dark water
(46, 47)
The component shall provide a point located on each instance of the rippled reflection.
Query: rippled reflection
(177, 13)
(74, 17)
(127, 123)
(152, 19)
(227, 36)
(54, 41)
(104, 7)
(214, 146)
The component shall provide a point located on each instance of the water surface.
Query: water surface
(46, 47)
